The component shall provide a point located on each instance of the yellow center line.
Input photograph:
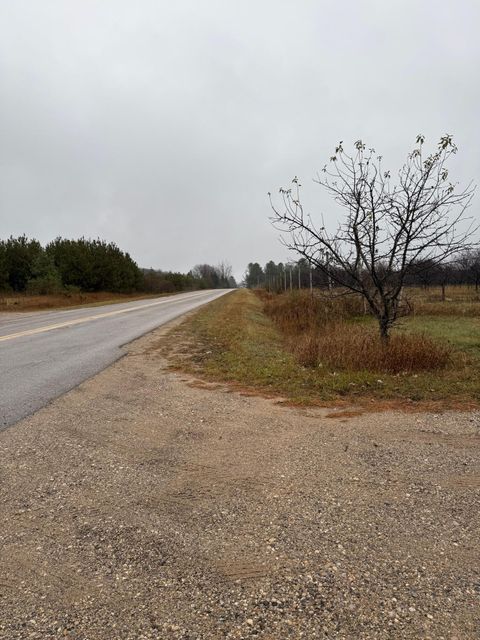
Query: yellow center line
(71, 323)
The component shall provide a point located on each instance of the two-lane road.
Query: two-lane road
(44, 354)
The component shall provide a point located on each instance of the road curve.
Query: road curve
(44, 354)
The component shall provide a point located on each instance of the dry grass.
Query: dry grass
(320, 331)
(297, 312)
(58, 301)
(353, 347)
(453, 293)
(460, 300)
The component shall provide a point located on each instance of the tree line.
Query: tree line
(277, 277)
(202, 276)
(88, 265)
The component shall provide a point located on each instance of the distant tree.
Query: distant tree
(45, 276)
(387, 227)
(208, 274)
(254, 276)
(20, 256)
(224, 270)
(4, 283)
(74, 262)
(94, 265)
(469, 266)
(179, 281)
(271, 276)
(157, 282)
(219, 277)
(422, 272)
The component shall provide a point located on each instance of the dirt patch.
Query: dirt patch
(347, 413)
(146, 505)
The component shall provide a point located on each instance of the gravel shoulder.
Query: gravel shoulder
(145, 504)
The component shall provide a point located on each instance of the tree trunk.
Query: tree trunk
(384, 330)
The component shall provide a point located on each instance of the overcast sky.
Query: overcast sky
(162, 125)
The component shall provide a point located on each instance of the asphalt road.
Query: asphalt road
(44, 354)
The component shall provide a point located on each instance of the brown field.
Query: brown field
(19, 302)
(460, 300)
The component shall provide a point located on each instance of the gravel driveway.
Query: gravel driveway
(144, 505)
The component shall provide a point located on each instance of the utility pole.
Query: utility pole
(329, 279)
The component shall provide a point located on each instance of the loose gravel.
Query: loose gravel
(141, 505)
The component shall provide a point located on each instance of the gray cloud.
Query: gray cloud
(163, 125)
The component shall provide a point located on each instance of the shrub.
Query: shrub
(71, 290)
(45, 285)
(356, 347)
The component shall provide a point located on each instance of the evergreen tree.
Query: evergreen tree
(20, 256)
(45, 276)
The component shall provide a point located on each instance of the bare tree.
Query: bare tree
(225, 271)
(469, 264)
(387, 227)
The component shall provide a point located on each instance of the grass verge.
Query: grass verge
(232, 340)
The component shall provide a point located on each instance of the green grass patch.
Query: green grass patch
(460, 331)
